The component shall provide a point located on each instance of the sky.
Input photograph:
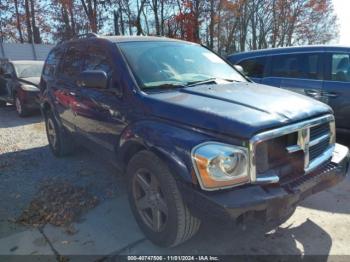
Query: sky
(342, 8)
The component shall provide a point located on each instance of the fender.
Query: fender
(172, 143)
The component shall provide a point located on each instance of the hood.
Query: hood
(30, 80)
(236, 109)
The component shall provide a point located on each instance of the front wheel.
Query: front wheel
(22, 111)
(60, 141)
(157, 203)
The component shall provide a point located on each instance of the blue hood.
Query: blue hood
(237, 109)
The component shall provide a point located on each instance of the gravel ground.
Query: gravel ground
(26, 163)
(320, 224)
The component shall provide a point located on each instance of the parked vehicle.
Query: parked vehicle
(194, 136)
(321, 72)
(19, 85)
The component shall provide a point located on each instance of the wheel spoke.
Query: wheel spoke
(162, 205)
(142, 182)
(154, 183)
(157, 219)
(51, 132)
(149, 200)
(143, 203)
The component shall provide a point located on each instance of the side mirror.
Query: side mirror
(93, 79)
(239, 69)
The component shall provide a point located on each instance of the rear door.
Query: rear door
(300, 73)
(337, 86)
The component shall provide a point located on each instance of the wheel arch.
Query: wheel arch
(170, 143)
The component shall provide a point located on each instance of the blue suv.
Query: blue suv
(321, 72)
(193, 136)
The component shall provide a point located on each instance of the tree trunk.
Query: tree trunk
(138, 18)
(156, 17)
(36, 32)
(28, 24)
(162, 17)
(72, 20)
(211, 25)
(18, 22)
(116, 22)
(91, 14)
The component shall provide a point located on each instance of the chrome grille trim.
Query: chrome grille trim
(319, 139)
(303, 143)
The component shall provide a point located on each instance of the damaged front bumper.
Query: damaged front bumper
(269, 202)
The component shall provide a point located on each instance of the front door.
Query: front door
(101, 112)
(7, 81)
(65, 89)
(337, 87)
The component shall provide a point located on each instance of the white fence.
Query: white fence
(15, 51)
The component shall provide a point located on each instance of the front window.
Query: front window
(254, 67)
(28, 70)
(174, 64)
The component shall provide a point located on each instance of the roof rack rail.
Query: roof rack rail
(87, 35)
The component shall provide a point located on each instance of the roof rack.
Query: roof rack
(87, 35)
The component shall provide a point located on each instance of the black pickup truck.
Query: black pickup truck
(193, 135)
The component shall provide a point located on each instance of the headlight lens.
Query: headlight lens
(220, 166)
(29, 88)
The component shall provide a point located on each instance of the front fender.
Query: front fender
(170, 142)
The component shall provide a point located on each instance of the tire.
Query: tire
(60, 141)
(2, 103)
(22, 111)
(175, 222)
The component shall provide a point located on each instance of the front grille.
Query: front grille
(300, 151)
(319, 149)
(317, 131)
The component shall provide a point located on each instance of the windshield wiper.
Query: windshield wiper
(208, 81)
(164, 87)
(202, 82)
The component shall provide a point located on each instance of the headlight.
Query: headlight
(220, 166)
(29, 88)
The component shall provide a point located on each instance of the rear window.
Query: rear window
(254, 67)
(341, 67)
(305, 66)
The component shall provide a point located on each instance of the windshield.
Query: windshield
(176, 64)
(28, 70)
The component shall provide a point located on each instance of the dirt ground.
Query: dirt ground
(320, 225)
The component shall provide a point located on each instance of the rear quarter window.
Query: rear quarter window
(341, 67)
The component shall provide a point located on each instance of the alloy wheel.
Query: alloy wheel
(18, 105)
(150, 201)
(51, 132)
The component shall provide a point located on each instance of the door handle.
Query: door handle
(312, 93)
(330, 94)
